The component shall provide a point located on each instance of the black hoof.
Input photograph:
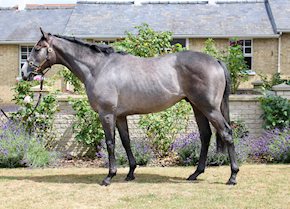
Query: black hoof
(105, 182)
(231, 182)
(191, 178)
(129, 178)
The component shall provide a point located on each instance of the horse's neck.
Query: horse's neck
(72, 56)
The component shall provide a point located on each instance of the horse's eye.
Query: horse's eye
(30, 63)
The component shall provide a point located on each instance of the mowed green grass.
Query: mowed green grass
(259, 186)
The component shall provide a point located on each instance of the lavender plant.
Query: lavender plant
(272, 146)
(188, 148)
(141, 151)
(18, 148)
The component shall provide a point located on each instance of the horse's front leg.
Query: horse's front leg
(108, 121)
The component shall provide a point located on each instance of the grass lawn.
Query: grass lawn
(259, 186)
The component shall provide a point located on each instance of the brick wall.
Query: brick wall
(9, 65)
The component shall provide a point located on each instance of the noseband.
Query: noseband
(37, 68)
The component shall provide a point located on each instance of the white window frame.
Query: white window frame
(251, 70)
(21, 61)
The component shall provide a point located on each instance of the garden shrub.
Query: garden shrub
(18, 148)
(87, 125)
(37, 121)
(276, 112)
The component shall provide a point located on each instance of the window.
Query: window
(24, 54)
(247, 51)
(182, 41)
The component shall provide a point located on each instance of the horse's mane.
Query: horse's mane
(99, 48)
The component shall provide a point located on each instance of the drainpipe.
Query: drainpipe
(279, 52)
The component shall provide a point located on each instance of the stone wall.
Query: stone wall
(242, 107)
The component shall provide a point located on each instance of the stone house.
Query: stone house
(262, 25)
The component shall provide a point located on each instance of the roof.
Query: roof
(224, 19)
(281, 14)
(23, 25)
(185, 18)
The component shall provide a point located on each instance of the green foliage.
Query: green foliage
(162, 128)
(276, 112)
(236, 65)
(87, 127)
(38, 121)
(69, 77)
(274, 80)
(148, 43)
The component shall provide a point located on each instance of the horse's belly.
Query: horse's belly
(147, 103)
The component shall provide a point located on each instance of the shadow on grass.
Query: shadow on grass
(97, 178)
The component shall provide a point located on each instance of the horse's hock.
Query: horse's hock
(242, 107)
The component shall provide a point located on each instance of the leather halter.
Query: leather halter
(38, 68)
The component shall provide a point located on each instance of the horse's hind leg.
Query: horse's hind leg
(205, 135)
(225, 132)
(124, 134)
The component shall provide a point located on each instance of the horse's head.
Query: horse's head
(41, 57)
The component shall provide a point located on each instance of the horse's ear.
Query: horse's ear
(44, 34)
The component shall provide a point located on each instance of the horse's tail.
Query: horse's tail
(221, 146)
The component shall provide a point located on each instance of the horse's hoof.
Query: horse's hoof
(105, 182)
(231, 182)
(129, 178)
(191, 178)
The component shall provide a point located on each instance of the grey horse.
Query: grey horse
(119, 84)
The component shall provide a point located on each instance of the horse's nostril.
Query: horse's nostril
(22, 74)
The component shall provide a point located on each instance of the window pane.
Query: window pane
(248, 50)
(249, 62)
(24, 57)
(248, 42)
(181, 41)
(30, 49)
(23, 49)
